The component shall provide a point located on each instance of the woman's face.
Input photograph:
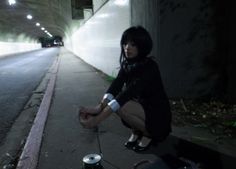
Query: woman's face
(130, 49)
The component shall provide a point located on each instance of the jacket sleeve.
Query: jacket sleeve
(140, 86)
(117, 84)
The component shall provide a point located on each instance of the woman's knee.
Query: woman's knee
(124, 110)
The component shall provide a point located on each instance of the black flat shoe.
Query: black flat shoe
(130, 144)
(138, 148)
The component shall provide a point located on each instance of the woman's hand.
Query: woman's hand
(88, 121)
(91, 110)
(87, 116)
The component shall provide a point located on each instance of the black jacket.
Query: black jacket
(141, 80)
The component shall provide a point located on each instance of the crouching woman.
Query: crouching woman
(136, 95)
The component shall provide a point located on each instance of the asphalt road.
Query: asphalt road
(20, 74)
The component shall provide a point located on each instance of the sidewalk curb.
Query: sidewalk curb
(30, 152)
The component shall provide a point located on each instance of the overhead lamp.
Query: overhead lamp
(42, 28)
(29, 17)
(49, 34)
(11, 2)
(37, 24)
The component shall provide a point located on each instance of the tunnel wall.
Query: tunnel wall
(97, 40)
(12, 43)
(191, 44)
(145, 13)
(97, 4)
(7, 48)
(231, 88)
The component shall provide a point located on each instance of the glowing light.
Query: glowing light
(42, 28)
(37, 24)
(49, 35)
(11, 2)
(29, 17)
(121, 2)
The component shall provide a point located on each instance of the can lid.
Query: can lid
(91, 158)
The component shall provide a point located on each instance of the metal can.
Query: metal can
(92, 161)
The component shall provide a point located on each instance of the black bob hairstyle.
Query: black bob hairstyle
(140, 37)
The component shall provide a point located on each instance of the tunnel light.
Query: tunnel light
(121, 2)
(29, 17)
(11, 2)
(42, 28)
(49, 35)
(37, 24)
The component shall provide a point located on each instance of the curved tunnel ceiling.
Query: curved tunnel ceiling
(53, 15)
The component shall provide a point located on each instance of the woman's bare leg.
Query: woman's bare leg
(133, 114)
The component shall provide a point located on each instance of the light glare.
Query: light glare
(121, 2)
(11, 2)
(37, 24)
(103, 15)
(29, 16)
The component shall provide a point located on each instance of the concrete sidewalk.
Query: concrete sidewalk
(66, 142)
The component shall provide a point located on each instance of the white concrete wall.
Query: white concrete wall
(97, 41)
(7, 48)
(97, 4)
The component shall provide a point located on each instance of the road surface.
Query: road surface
(20, 74)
